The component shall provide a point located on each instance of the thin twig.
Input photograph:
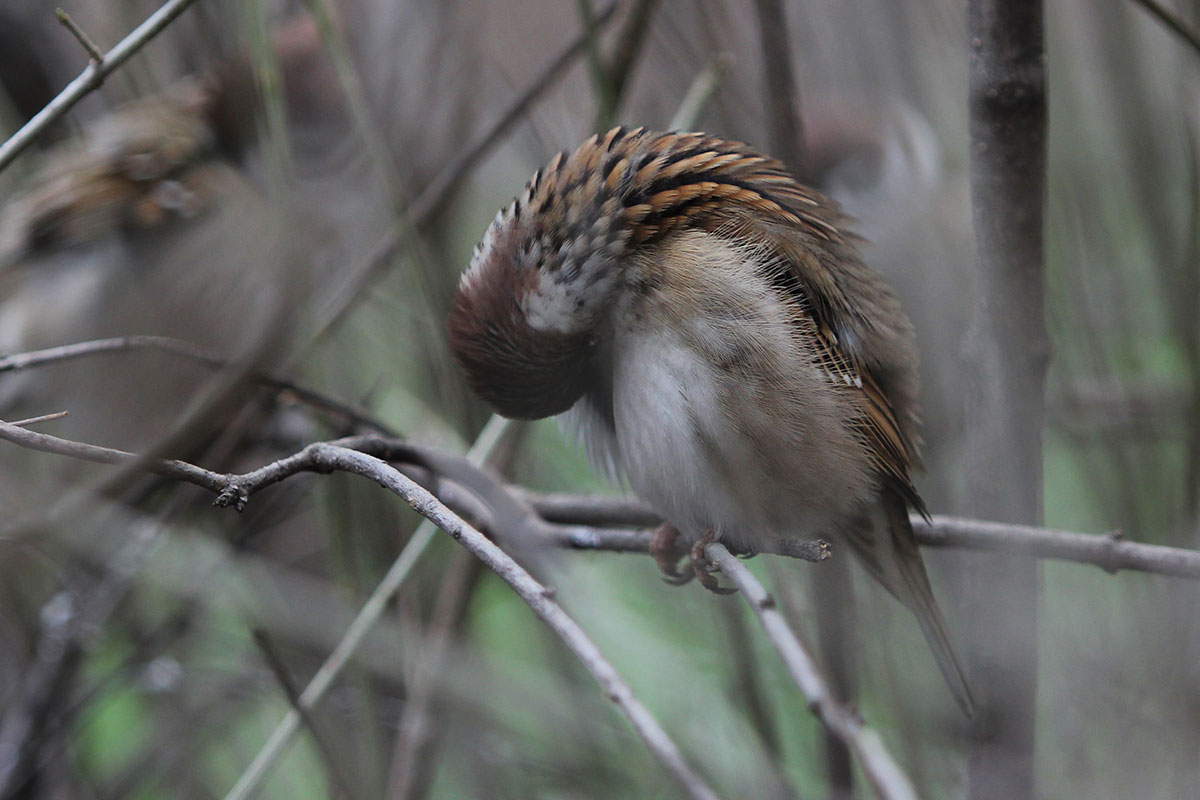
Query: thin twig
(885, 776)
(611, 76)
(25, 423)
(598, 72)
(250, 780)
(93, 51)
(164, 467)
(347, 411)
(584, 522)
(1175, 23)
(1109, 551)
(448, 179)
(601, 510)
(90, 79)
(584, 537)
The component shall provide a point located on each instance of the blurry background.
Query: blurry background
(283, 184)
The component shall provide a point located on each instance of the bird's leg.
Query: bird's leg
(702, 568)
(667, 548)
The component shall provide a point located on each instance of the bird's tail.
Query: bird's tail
(902, 572)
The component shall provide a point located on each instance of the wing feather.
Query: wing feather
(663, 183)
(680, 181)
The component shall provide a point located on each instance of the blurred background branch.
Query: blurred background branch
(90, 79)
(1174, 22)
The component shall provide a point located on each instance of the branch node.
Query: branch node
(1112, 561)
(549, 592)
(234, 495)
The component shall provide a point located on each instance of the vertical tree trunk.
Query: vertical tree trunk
(1007, 355)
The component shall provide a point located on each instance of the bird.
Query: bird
(706, 324)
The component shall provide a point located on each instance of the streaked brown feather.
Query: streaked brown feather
(658, 184)
(682, 181)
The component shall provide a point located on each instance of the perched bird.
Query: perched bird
(706, 323)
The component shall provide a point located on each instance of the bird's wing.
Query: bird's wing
(670, 182)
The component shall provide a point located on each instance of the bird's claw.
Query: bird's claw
(667, 550)
(702, 568)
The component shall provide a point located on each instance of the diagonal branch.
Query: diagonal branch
(90, 79)
(538, 597)
(339, 782)
(324, 457)
(885, 776)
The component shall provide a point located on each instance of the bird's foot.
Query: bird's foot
(667, 547)
(702, 568)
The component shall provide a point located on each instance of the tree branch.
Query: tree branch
(584, 522)
(601, 522)
(90, 79)
(339, 782)
(327, 457)
(1109, 551)
(699, 93)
